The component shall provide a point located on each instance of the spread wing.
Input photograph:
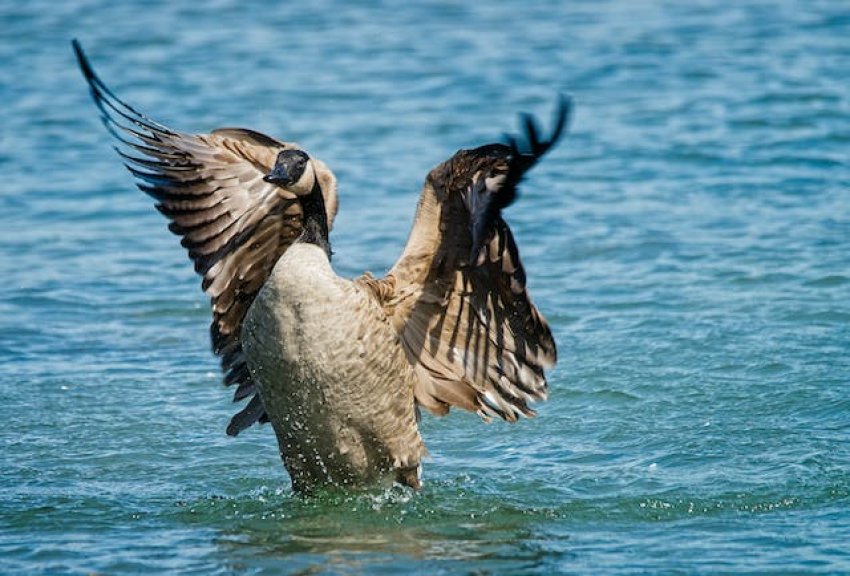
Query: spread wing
(457, 295)
(234, 225)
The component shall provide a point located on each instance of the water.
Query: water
(689, 242)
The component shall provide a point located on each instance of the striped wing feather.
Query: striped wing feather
(460, 303)
(234, 225)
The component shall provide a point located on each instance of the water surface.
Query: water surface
(689, 243)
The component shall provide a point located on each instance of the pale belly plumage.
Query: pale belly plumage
(333, 377)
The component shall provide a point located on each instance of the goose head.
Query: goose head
(491, 187)
(294, 171)
(487, 176)
(489, 167)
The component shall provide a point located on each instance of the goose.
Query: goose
(339, 367)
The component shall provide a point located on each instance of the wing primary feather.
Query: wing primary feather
(112, 126)
(164, 180)
(154, 164)
(533, 148)
(246, 417)
(102, 92)
(245, 388)
(123, 110)
(531, 133)
(562, 117)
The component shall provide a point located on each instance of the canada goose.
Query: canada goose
(340, 367)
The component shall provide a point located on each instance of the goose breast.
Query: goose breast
(332, 375)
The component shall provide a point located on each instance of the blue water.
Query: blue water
(689, 243)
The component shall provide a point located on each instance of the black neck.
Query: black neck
(315, 219)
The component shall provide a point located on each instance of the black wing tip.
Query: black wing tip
(563, 115)
(252, 413)
(114, 110)
(525, 150)
(532, 145)
(84, 63)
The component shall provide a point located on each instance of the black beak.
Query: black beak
(279, 175)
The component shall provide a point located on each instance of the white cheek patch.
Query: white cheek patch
(306, 182)
(495, 183)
